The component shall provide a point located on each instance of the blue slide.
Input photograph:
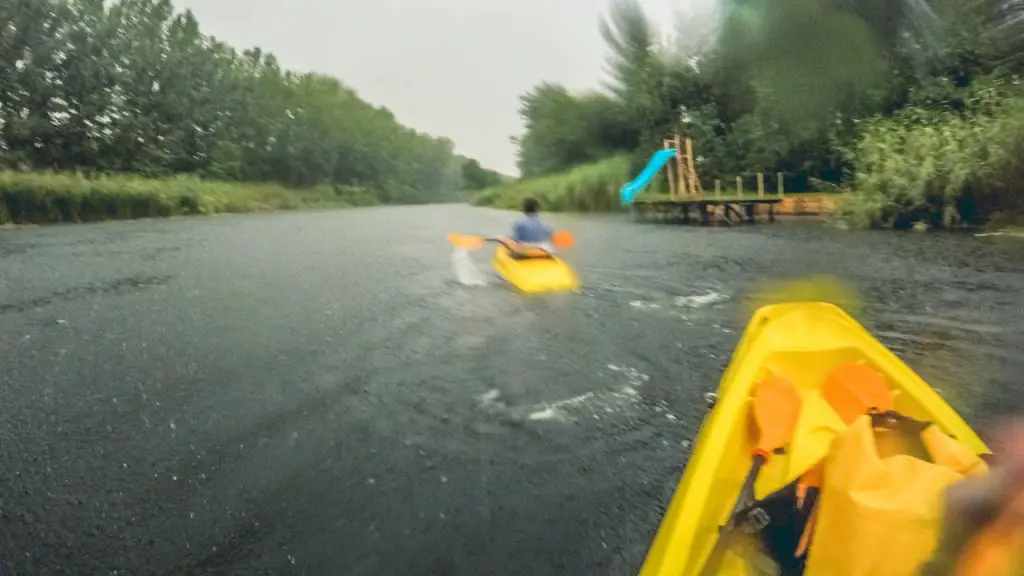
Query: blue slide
(630, 190)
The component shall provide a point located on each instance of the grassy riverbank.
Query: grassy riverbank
(43, 198)
(585, 188)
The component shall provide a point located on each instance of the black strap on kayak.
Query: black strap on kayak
(892, 420)
(781, 525)
(766, 534)
(905, 427)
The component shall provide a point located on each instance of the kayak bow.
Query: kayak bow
(807, 343)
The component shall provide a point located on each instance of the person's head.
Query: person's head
(531, 206)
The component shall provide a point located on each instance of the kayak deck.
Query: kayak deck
(802, 342)
(535, 275)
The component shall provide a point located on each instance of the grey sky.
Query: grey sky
(452, 68)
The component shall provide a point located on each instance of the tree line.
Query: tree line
(132, 86)
(816, 89)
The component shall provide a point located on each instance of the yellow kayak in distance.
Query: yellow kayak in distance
(805, 343)
(535, 272)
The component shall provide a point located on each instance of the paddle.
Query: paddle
(854, 389)
(468, 242)
(561, 239)
(775, 409)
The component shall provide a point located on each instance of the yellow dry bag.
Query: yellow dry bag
(880, 507)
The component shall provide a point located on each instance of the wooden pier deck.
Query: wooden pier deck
(706, 210)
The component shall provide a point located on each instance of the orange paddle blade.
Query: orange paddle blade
(853, 389)
(466, 241)
(563, 239)
(776, 410)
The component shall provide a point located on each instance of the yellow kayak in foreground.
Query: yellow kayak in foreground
(804, 343)
(535, 274)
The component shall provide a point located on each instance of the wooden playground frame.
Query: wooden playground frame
(682, 181)
(685, 193)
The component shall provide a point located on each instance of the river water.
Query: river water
(319, 393)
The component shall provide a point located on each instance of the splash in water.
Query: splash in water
(700, 300)
(466, 271)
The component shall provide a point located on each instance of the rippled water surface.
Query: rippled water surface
(340, 393)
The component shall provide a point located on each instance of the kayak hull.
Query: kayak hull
(535, 275)
(801, 342)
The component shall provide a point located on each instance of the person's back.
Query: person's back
(531, 230)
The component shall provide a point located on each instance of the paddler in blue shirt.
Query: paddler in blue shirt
(531, 230)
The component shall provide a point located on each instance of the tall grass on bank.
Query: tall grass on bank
(941, 167)
(42, 198)
(585, 188)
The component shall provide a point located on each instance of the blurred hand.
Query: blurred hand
(974, 504)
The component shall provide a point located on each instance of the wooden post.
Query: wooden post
(718, 188)
(782, 185)
(739, 187)
(680, 167)
(691, 172)
(760, 185)
(668, 171)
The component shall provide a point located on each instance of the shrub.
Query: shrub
(939, 165)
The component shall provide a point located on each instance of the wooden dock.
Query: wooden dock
(686, 201)
(808, 205)
(706, 210)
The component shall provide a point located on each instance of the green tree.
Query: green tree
(133, 86)
(563, 130)
(476, 177)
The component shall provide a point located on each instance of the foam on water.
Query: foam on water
(490, 396)
(641, 304)
(596, 405)
(701, 300)
(466, 271)
(591, 405)
(692, 302)
(634, 376)
(547, 414)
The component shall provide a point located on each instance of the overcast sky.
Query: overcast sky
(451, 68)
